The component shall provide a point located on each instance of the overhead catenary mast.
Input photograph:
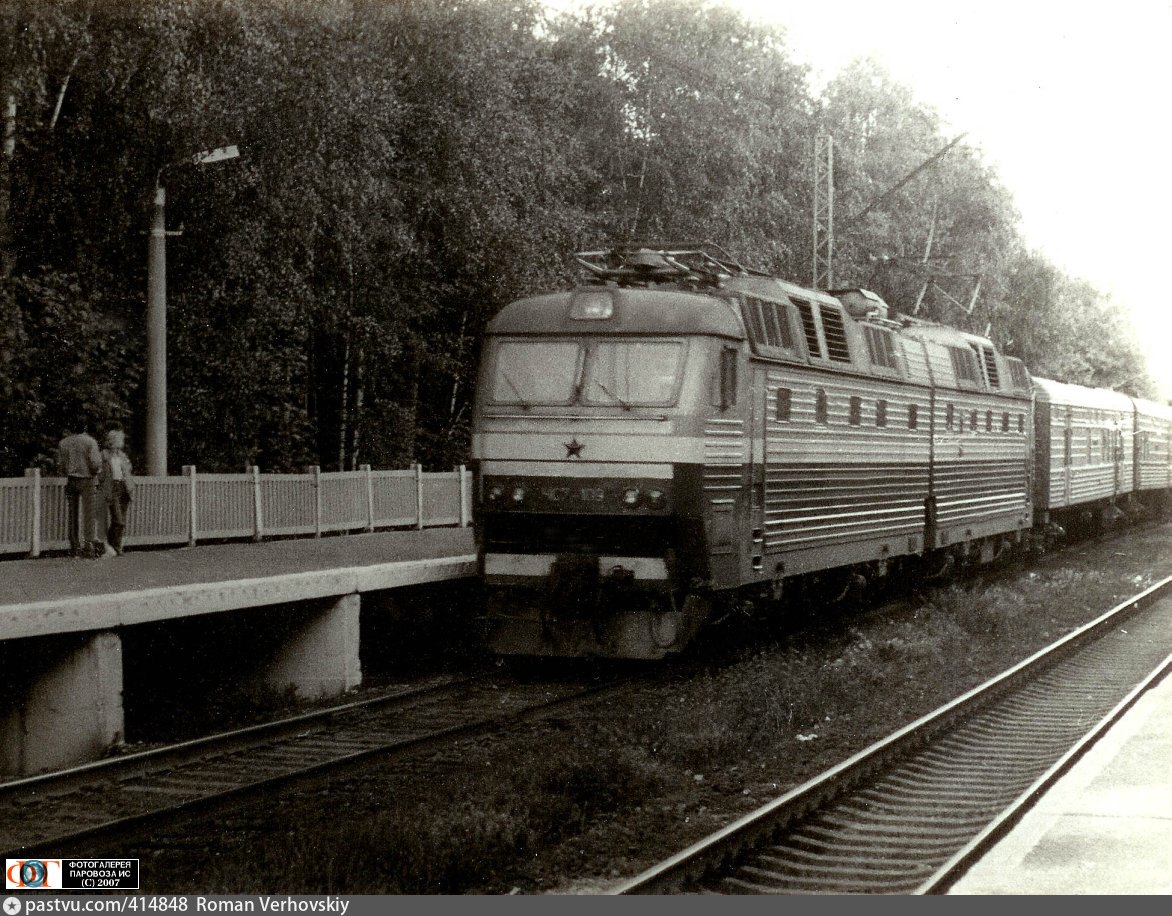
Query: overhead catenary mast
(823, 211)
(823, 274)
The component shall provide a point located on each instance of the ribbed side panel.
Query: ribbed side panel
(1089, 470)
(860, 475)
(820, 505)
(1059, 476)
(724, 455)
(916, 359)
(1153, 474)
(1091, 482)
(971, 491)
(1153, 470)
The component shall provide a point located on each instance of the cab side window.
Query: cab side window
(728, 377)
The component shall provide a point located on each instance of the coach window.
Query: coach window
(856, 410)
(950, 416)
(1021, 423)
(821, 412)
(988, 421)
(973, 420)
(784, 403)
(881, 413)
(1005, 422)
(913, 418)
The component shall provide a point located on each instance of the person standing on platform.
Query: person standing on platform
(79, 460)
(116, 486)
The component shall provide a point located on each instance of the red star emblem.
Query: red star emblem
(573, 448)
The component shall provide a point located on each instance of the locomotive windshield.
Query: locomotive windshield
(537, 371)
(598, 372)
(631, 372)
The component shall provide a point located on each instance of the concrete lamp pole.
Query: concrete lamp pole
(156, 368)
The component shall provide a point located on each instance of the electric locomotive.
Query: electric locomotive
(682, 428)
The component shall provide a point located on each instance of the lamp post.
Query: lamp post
(156, 367)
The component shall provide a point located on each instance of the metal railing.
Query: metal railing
(201, 507)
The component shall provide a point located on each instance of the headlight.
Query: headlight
(496, 494)
(518, 495)
(631, 498)
(656, 499)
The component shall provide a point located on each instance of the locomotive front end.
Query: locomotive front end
(584, 445)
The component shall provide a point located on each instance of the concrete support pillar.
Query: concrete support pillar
(64, 703)
(318, 655)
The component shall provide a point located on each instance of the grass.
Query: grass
(406, 849)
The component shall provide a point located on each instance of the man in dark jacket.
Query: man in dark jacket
(79, 460)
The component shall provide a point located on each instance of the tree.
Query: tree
(406, 170)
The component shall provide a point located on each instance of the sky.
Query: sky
(1069, 102)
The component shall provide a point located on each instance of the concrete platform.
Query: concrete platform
(63, 625)
(1105, 827)
(50, 596)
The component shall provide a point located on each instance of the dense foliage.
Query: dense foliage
(407, 167)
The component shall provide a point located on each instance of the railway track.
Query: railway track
(911, 813)
(129, 794)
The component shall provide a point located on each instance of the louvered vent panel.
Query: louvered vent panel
(836, 344)
(808, 327)
(991, 367)
(964, 364)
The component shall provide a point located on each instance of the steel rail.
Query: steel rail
(268, 757)
(171, 755)
(955, 868)
(720, 851)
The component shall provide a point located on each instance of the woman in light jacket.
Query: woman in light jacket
(115, 486)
